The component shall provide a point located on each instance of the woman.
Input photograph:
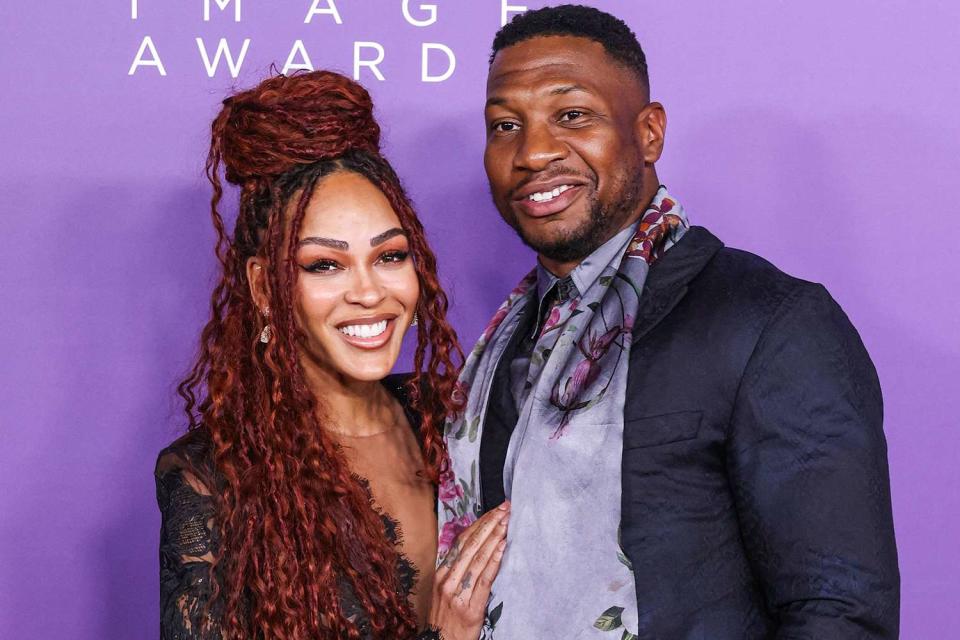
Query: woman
(283, 505)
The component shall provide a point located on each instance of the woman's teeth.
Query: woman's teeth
(365, 330)
(546, 196)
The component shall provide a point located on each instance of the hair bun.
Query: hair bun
(287, 121)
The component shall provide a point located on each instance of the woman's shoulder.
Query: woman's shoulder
(190, 453)
(185, 488)
(398, 384)
(188, 536)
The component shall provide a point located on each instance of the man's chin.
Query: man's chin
(570, 247)
(559, 237)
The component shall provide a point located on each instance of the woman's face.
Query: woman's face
(357, 288)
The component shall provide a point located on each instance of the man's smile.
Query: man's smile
(541, 197)
(548, 202)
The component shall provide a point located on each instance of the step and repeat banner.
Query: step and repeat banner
(823, 136)
(367, 55)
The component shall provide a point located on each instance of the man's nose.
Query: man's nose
(538, 148)
(366, 289)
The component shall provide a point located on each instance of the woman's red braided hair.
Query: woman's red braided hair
(296, 528)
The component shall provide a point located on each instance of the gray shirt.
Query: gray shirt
(551, 291)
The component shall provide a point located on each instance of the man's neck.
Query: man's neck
(563, 269)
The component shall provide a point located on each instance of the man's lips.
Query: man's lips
(542, 186)
(555, 203)
(541, 198)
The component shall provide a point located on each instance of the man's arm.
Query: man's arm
(808, 468)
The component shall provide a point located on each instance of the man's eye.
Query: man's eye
(569, 116)
(394, 256)
(504, 127)
(322, 266)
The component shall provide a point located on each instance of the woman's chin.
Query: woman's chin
(368, 375)
(366, 367)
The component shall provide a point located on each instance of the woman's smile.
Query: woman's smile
(368, 333)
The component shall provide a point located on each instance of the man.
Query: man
(690, 439)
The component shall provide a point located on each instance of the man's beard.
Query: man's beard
(602, 223)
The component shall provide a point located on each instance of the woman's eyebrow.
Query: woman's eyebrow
(325, 242)
(386, 235)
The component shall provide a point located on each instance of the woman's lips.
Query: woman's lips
(369, 342)
(550, 207)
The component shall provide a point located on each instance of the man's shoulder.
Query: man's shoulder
(736, 266)
(746, 282)
(743, 290)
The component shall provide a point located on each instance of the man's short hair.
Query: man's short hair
(577, 20)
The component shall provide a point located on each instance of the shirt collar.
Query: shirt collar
(589, 269)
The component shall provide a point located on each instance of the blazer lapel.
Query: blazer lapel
(670, 276)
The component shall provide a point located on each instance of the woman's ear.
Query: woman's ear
(258, 281)
(651, 127)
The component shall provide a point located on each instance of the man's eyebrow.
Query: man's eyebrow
(559, 91)
(386, 235)
(496, 101)
(325, 242)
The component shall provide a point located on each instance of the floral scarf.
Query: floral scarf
(564, 574)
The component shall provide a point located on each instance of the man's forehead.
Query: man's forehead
(560, 60)
(547, 51)
(561, 73)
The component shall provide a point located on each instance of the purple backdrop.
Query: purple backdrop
(824, 135)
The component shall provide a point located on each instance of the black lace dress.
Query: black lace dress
(185, 481)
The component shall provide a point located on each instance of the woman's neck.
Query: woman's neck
(353, 408)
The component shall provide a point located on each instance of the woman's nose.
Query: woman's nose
(365, 288)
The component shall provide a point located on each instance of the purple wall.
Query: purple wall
(824, 135)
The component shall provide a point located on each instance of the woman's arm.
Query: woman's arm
(462, 585)
(187, 544)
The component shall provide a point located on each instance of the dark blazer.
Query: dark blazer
(756, 499)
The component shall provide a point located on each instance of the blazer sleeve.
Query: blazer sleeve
(808, 467)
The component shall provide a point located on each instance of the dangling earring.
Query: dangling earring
(415, 320)
(267, 332)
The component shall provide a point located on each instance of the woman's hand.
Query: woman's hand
(461, 586)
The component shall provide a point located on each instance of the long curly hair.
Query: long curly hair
(296, 529)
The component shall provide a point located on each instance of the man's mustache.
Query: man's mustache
(549, 174)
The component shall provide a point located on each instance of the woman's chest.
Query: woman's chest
(401, 492)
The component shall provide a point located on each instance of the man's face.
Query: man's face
(564, 154)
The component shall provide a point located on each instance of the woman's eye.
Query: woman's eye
(322, 266)
(394, 256)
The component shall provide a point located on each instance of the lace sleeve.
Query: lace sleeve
(187, 544)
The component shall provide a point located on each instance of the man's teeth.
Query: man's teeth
(547, 196)
(365, 330)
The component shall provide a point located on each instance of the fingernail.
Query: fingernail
(504, 505)
(502, 545)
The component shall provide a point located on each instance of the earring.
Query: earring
(267, 332)
(415, 320)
